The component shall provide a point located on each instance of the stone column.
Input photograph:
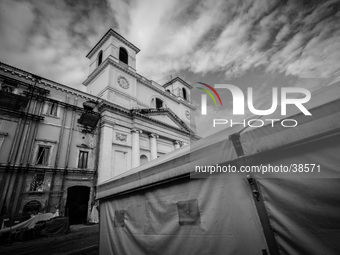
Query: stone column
(105, 167)
(153, 145)
(177, 144)
(135, 148)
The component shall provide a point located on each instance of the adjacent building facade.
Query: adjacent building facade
(57, 143)
(44, 147)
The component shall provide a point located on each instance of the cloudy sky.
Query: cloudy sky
(261, 43)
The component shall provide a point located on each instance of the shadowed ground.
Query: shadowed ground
(83, 239)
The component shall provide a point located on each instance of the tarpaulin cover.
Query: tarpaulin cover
(305, 212)
(56, 227)
(226, 222)
(155, 209)
(29, 224)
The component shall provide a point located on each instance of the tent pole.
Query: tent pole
(262, 212)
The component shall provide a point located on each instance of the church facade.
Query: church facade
(141, 120)
(57, 143)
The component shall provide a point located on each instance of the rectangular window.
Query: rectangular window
(43, 154)
(38, 182)
(52, 109)
(82, 160)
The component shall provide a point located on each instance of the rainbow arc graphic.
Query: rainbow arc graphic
(204, 97)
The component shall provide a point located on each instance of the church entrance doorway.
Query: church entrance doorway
(77, 204)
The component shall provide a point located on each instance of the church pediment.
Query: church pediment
(166, 116)
(165, 119)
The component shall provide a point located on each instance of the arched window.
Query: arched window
(184, 93)
(32, 207)
(143, 159)
(159, 103)
(100, 57)
(123, 55)
(8, 89)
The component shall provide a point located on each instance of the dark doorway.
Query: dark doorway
(77, 204)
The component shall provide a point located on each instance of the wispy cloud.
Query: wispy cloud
(51, 38)
(233, 37)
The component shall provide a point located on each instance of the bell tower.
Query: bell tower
(112, 70)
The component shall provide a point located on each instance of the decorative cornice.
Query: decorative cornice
(102, 66)
(121, 93)
(107, 124)
(152, 135)
(45, 140)
(43, 81)
(109, 33)
(151, 120)
(178, 79)
(180, 143)
(168, 112)
(135, 113)
(138, 131)
(107, 104)
(163, 93)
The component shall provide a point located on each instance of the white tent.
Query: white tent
(163, 208)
